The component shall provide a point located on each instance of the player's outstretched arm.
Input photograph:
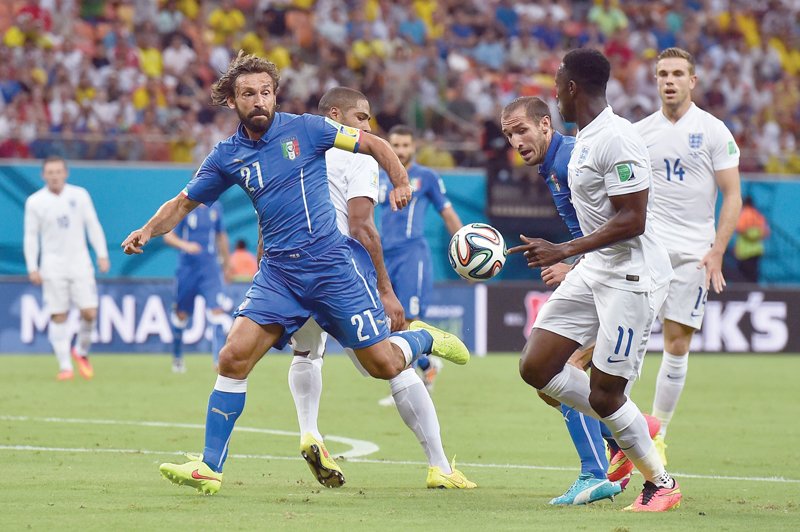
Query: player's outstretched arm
(164, 220)
(381, 151)
(627, 222)
(451, 220)
(730, 185)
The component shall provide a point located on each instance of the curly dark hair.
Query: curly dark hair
(225, 86)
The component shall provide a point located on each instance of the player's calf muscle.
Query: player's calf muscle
(381, 360)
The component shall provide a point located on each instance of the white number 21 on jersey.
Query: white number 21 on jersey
(245, 173)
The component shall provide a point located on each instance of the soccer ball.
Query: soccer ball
(477, 252)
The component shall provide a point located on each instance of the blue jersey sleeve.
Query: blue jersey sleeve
(209, 182)
(436, 191)
(325, 133)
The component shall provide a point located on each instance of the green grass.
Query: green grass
(738, 418)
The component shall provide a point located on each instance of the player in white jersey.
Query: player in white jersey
(693, 155)
(353, 184)
(612, 295)
(57, 219)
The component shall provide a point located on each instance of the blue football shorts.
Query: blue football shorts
(336, 283)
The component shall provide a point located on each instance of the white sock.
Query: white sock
(571, 387)
(416, 408)
(630, 430)
(404, 346)
(305, 383)
(84, 340)
(669, 385)
(58, 334)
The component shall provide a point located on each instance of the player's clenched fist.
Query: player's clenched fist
(135, 242)
(400, 196)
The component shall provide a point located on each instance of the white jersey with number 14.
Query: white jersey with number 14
(685, 157)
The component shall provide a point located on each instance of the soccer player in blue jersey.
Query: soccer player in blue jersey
(309, 268)
(527, 125)
(203, 244)
(405, 250)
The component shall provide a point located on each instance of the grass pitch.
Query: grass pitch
(84, 455)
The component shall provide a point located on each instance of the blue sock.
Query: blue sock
(423, 363)
(585, 434)
(218, 337)
(177, 341)
(224, 408)
(609, 437)
(420, 342)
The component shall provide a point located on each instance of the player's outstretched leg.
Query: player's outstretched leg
(445, 345)
(416, 408)
(592, 484)
(178, 323)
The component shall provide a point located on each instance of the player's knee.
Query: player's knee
(231, 365)
(384, 366)
(532, 373)
(58, 318)
(605, 402)
(89, 314)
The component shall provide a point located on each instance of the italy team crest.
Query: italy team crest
(290, 148)
(695, 140)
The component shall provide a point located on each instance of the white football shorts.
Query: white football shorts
(619, 321)
(686, 299)
(59, 292)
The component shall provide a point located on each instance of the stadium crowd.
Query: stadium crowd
(129, 79)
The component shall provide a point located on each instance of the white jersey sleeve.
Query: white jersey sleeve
(93, 228)
(724, 151)
(625, 164)
(362, 178)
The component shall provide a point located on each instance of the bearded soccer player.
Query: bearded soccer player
(309, 268)
(612, 296)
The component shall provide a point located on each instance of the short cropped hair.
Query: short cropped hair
(225, 87)
(343, 98)
(680, 53)
(402, 130)
(54, 159)
(589, 68)
(535, 108)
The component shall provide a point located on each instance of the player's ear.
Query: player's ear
(545, 123)
(231, 102)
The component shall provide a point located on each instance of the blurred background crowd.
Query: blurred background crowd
(129, 79)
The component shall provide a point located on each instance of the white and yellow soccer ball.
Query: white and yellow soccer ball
(477, 252)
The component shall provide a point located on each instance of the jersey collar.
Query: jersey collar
(550, 156)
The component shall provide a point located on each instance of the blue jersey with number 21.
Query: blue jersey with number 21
(284, 174)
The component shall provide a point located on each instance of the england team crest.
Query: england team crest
(290, 148)
(695, 140)
(583, 154)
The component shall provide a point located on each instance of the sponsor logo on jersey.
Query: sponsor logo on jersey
(290, 148)
(624, 172)
(695, 140)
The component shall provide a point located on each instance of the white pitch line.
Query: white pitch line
(358, 448)
(34, 448)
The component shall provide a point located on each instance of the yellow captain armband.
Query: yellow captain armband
(347, 138)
